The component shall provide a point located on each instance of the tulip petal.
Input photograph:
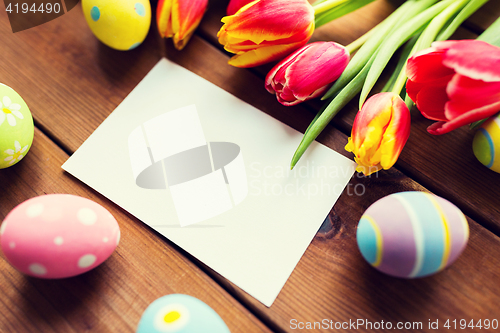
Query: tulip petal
(396, 133)
(235, 5)
(163, 18)
(467, 94)
(266, 30)
(463, 57)
(427, 66)
(189, 15)
(380, 131)
(307, 72)
(269, 20)
(412, 89)
(466, 118)
(179, 19)
(263, 55)
(330, 57)
(369, 136)
(367, 170)
(238, 45)
(277, 74)
(371, 109)
(432, 98)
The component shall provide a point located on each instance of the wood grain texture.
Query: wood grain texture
(485, 16)
(444, 164)
(113, 296)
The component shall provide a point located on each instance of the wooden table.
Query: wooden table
(72, 83)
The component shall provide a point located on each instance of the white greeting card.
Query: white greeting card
(212, 174)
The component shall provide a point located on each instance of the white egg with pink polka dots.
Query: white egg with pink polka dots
(58, 235)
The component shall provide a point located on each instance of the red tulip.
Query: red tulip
(179, 18)
(379, 133)
(266, 30)
(455, 83)
(307, 73)
(235, 5)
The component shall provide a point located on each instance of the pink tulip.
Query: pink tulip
(379, 133)
(235, 5)
(455, 83)
(307, 73)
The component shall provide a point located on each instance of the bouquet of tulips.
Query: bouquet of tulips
(453, 82)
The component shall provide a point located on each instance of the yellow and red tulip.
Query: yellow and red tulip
(379, 132)
(455, 83)
(235, 5)
(266, 30)
(177, 19)
(307, 73)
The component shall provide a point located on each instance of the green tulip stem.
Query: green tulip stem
(395, 40)
(337, 11)
(404, 13)
(427, 37)
(354, 46)
(327, 5)
(325, 116)
(492, 34)
(468, 10)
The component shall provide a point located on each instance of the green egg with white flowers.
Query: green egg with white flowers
(16, 127)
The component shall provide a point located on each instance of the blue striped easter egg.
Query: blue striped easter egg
(486, 143)
(412, 234)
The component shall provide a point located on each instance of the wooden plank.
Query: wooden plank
(445, 164)
(113, 296)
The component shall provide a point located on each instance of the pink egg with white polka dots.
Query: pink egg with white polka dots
(58, 235)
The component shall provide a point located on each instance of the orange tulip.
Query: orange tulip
(266, 30)
(379, 132)
(177, 19)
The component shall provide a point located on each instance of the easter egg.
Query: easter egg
(412, 234)
(486, 143)
(180, 314)
(120, 24)
(16, 127)
(58, 235)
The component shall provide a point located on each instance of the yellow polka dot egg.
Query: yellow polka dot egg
(16, 127)
(58, 236)
(486, 143)
(120, 24)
